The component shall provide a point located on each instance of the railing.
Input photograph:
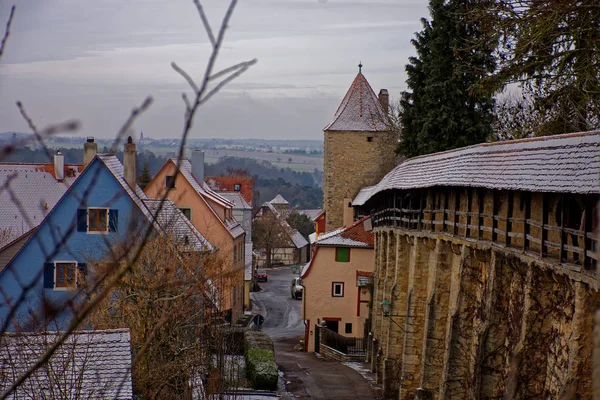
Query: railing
(462, 213)
(351, 346)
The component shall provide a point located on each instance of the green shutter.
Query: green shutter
(342, 254)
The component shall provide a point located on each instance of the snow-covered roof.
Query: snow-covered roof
(360, 109)
(279, 200)
(173, 222)
(185, 167)
(312, 214)
(295, 236)
(560, 164)
(204, 190)
(90, 364)
(28, 192)
(239, 203)
(352, 236)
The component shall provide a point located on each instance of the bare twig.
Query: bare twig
(7, 30)
(207, 27)
(185, 76)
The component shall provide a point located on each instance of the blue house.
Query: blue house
(41, 270)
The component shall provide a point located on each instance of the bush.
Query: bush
(260, 360)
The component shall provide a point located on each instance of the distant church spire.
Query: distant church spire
(360, 67)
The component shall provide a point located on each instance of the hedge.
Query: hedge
(260, 360)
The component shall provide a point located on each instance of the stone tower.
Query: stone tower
(359, 148)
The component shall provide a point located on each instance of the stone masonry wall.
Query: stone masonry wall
(351, 163)
(471, 319)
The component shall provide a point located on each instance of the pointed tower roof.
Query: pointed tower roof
(360, 110)
(279, 200)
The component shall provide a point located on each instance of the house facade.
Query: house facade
(182, 182)
(337, 282)
(43, 270)
(486, 263)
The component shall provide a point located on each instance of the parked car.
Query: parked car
(260, 275)
(297, 288)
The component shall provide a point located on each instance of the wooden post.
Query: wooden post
(526, 227)
(468, 218)
(544, 220)
(446, 195)
(456, 207)
(587, 227)
(509, 211)
(420, 216)
(494, 212)
(561, 250)
(480, 198)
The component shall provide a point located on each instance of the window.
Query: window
(369, 139)
(337, 289)
(187, 212)
(237, 187)
(97, 219)
(64, 275)
(342, 254)
(348, 327)
(170, 181)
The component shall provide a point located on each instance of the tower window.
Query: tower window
(369, 138)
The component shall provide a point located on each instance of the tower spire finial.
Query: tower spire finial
(360, 67)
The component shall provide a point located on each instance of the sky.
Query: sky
(95, 60)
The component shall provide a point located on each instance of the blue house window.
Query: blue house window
(97, 220)
(62, 275)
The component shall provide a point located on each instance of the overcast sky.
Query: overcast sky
(95, 60)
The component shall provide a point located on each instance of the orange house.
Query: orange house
(337, 282)
(212, 215)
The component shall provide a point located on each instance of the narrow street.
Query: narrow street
(306, 375)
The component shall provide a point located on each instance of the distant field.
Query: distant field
(297, 162)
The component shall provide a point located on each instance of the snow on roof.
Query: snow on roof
(295, 236)
(360, 109)
(312, 214)
(203, 189)
(90, 364)
(28, 192)
(239, 203)
(352, 236)
(185, 167)
(279, 200)
(172, 221)
(560, 164)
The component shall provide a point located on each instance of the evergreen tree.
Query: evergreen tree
(445, 106)
(145, 177)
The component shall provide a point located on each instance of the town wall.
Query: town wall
(488, 297)
(351, 163)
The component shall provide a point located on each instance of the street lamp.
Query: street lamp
(386, 308)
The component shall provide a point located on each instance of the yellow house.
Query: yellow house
(337, 282)
(212, 215)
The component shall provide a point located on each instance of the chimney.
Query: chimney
(90, 149)
(198, 165)
(384, 100)
(348, 217)
(59, 166)
(129, 163)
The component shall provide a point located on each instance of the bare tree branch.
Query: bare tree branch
(204, 19)
(7, 30)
